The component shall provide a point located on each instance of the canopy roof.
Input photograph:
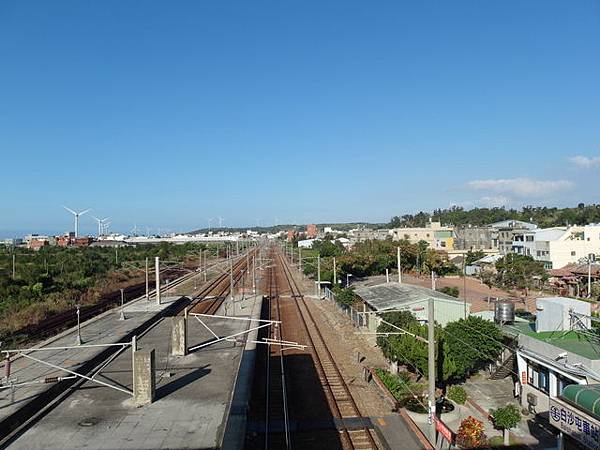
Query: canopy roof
(586, 397)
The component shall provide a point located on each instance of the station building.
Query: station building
(407, 297)
(555, 351)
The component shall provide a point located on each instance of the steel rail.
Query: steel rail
(296, 293)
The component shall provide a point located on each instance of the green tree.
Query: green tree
(473, 256)
(519, 271)
(468, 345)
(506, 418)
(344, 296)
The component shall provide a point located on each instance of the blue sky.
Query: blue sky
(167, 113)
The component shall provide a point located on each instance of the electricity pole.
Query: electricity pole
(231, 280)
(147, 287)
(319, 276)
(157, 275)
(334, 273)
(399, 267)
(431, 365)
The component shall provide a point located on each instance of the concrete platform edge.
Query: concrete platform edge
(234, 437)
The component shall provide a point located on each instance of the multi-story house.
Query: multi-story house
(503, 234)
(556, 247)
(437, 236)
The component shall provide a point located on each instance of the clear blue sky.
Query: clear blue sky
(167, 113)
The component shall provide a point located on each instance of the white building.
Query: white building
(555, 352)
(556, 247)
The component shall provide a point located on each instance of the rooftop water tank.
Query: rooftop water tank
(504, 312)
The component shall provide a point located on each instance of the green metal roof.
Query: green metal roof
(587, 397)
(581, 344)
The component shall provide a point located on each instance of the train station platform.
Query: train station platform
(193, 396)
(32, 384)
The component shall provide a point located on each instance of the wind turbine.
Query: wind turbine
(77, 214)
(101, 225)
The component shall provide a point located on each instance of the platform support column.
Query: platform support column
(178, 336)
(157, 272)
(144, 379)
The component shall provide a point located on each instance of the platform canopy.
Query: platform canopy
(586, 397)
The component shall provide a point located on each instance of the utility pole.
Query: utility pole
(589, 276)
(78, 340)
(432, 280)
(117, 256)
(157, 275)
(205, 266)
(147, 286)
(465, 285)
(319, 276)
(387, 275)
(300, 259)
(334, 273)
(231, 280)
(399, 267)
(14, 265)
(122, 313)
(253, 275)
(431, 365)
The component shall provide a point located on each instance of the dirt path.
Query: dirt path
(345, 344)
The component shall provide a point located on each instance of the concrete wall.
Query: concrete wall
(551, 351)
(554, 314)
(444, 312)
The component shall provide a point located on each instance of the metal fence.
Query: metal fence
(357, 319)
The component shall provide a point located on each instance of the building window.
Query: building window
(538, 377)
(563, 382)
(573, 253)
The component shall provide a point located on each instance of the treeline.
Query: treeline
(55, 278)
(541, 215)
(373, 257)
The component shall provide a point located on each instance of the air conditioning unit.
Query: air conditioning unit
(532, 399)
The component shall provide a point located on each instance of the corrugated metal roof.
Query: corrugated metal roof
(586, 397)
(395, 295)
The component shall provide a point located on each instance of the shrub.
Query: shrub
(399, 385)
(457, 394)
(471, 433)
(450, 290)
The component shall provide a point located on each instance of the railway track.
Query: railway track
(276, 402)
(212, 295)
(341, 403)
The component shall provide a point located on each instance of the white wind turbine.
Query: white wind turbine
(77, 214)
(101, 225)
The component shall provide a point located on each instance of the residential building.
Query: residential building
(437, 236)
(36, 244)
(503, 233)
(311, 231)
(368, 234)
(82, 241)
(468, 237)
(306, 243)
(556, 247)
